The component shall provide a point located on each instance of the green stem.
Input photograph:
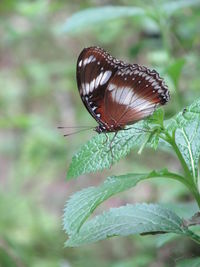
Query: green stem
(171, 140)
(181, 159)
(186, 179)
(186, 182)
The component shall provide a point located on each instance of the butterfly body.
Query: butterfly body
(115, 93)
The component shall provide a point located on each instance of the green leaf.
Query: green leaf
(91, 16)
(154, 141)
(101, 151)
(157, 120)
(193, 262)
(157, 117)
(175, 69)
(128, 220)
(184, 117)
(183, 210)
(172, 6)
(7, 259)
(188, 141)
(81, 205)
(186, 128)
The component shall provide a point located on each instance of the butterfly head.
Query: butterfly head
(100, 129)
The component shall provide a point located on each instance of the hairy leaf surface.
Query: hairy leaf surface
(186, 127)
(104, 149)
(128, 220)
(81, 205)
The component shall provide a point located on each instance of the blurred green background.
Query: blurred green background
(38, 92)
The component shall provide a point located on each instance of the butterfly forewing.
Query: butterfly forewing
(115, 93)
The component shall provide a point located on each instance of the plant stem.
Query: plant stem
(186, 182)
(171, 140)
(186, 179)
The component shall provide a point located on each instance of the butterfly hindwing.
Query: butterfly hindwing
(133, 94)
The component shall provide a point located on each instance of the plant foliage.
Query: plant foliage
(182, 133)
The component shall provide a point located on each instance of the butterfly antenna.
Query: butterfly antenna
(73, 127)
(82, 130)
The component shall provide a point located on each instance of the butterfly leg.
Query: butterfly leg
(106, 141)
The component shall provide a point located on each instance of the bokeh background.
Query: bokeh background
(38, 92)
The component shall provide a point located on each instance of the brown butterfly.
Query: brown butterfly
(115, 93)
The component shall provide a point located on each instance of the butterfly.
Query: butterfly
(115, 93)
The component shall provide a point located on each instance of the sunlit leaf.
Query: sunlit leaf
(102, 151)
(188, 140)
(81, 205)
(128, 220)
(187, 115)
(91, 16)
(186, 126)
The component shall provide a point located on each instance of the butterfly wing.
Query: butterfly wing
(115, 93)
(95, 68)
(132, 94)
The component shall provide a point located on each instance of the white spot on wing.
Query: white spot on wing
(80, 63)
(94, 108)
(92, 85)
(83, 86)
(154, 83)
(89, 59)
(85, 61)
(87, 88)
(126, 96)
(98, 79)
(105, 77)
(139, 104)
(111, 87)
(122, 95)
